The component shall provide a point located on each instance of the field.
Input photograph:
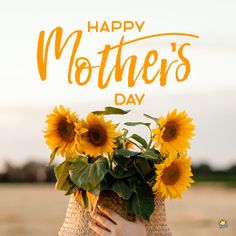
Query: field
(39, 210)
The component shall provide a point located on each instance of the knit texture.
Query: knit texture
(77, 218)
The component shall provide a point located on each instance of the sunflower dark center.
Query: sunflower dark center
(66, 131)
(97, 135)
(171, 175)
(170, 132)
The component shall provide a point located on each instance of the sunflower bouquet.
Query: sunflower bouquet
(99, 158)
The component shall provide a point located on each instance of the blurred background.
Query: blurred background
(29, 205)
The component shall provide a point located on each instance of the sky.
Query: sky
(208, 95)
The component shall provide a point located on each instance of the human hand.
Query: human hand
(116, 225)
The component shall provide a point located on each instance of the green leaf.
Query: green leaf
(152, 118)
(149, 154)
(141, 203)
(127, 153)
(62, 175)
(52, 156)
(139, 139)
(119, 172)
(81, 197)
(89, 175)
(78, 157)
(122, 161)
(86, 199)
(137, 123)
(133, 182)
(111, 111)
(71, 190)
(121, 188)
(142, 167)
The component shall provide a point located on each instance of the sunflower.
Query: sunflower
(174, 132)
(173, 176)
(100, 135)
(63, 132)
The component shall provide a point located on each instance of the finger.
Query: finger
(98, 230)
(111, 214)
(103, 221)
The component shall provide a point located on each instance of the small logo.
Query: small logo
(223, 224)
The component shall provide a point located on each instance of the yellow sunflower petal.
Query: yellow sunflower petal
(174, 132)
(63, 132)
(100, 135)
(173, 176)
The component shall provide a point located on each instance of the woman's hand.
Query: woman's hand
(117, 225)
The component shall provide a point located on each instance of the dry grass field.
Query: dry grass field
(38, 210)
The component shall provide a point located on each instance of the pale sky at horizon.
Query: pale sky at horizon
(209, 94)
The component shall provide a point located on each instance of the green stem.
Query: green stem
(110, 158)
(151, 136)
(136, 145)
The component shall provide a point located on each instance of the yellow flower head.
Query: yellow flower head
(174, 132)
(100, 135)
(63, 132)
(173, 176)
